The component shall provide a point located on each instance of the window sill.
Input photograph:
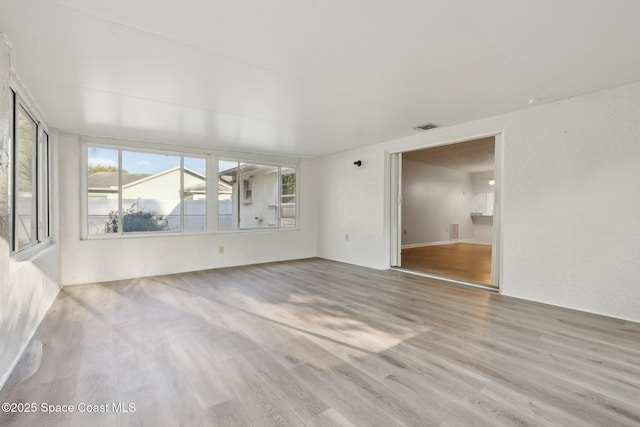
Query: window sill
(30, 254)
(191, 234)
(142, 235)
(256, 230)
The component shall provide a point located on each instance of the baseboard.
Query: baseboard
(475, 242)
(419, 245)
(444, 242)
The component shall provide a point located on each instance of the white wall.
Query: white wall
(571, 201)
(432, 198)
(483, 203)
(29, 286)
(482, 230)
(352, 201)
(89, 261)
(480, 182)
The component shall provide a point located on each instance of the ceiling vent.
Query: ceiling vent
(426, 126)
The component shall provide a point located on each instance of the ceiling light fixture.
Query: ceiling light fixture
(492, 182)
(425, 126)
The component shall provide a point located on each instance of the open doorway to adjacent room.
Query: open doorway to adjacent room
(447, 212)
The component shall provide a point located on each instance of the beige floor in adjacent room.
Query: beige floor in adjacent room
(460, 261)
(315, 342)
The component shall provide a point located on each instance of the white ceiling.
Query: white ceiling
(469, 156)
(309, 77)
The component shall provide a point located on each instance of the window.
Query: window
(131, 191)
(268, 196)
(246, 185)
(195, 194)
(29, 186)
(288, 197)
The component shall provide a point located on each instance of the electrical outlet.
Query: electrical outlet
(221, 249)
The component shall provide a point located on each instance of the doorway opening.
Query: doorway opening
(446, 221)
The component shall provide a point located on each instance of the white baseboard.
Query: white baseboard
(419, 245)
(444, 242)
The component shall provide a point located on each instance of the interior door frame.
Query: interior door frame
(396, 209)
(395, 161)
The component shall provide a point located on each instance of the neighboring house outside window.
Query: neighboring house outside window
(268, 196)
(159, 196)
(134, 191)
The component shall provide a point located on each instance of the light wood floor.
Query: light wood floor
(316, 342)
(461, 261)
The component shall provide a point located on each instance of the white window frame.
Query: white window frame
(212, 161)
(41, 186)
(240, 200)
(136, 148)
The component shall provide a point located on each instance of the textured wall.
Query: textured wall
(28, 283)
(351, 201)
(5, 121)
(96, 260)
(432, 198)
(570, 222)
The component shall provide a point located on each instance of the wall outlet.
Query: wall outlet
(346, 237)
(221, 249)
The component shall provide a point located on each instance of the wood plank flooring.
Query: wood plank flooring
(320, 343)
(460, 261)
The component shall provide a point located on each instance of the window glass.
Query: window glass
(227, 195)
(195, 194)
(28, 179)
(254, 196)
(103, 191)
(135, 192)
(43, 179)
(288, 197)
(25, 221)
(259, 207)
(151, 192)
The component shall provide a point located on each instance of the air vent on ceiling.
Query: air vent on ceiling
(426, 126)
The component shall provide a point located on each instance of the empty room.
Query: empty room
(300, 213)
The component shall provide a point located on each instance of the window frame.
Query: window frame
(237, 204)
(41, 179)
(212, 158)
(121, 234)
